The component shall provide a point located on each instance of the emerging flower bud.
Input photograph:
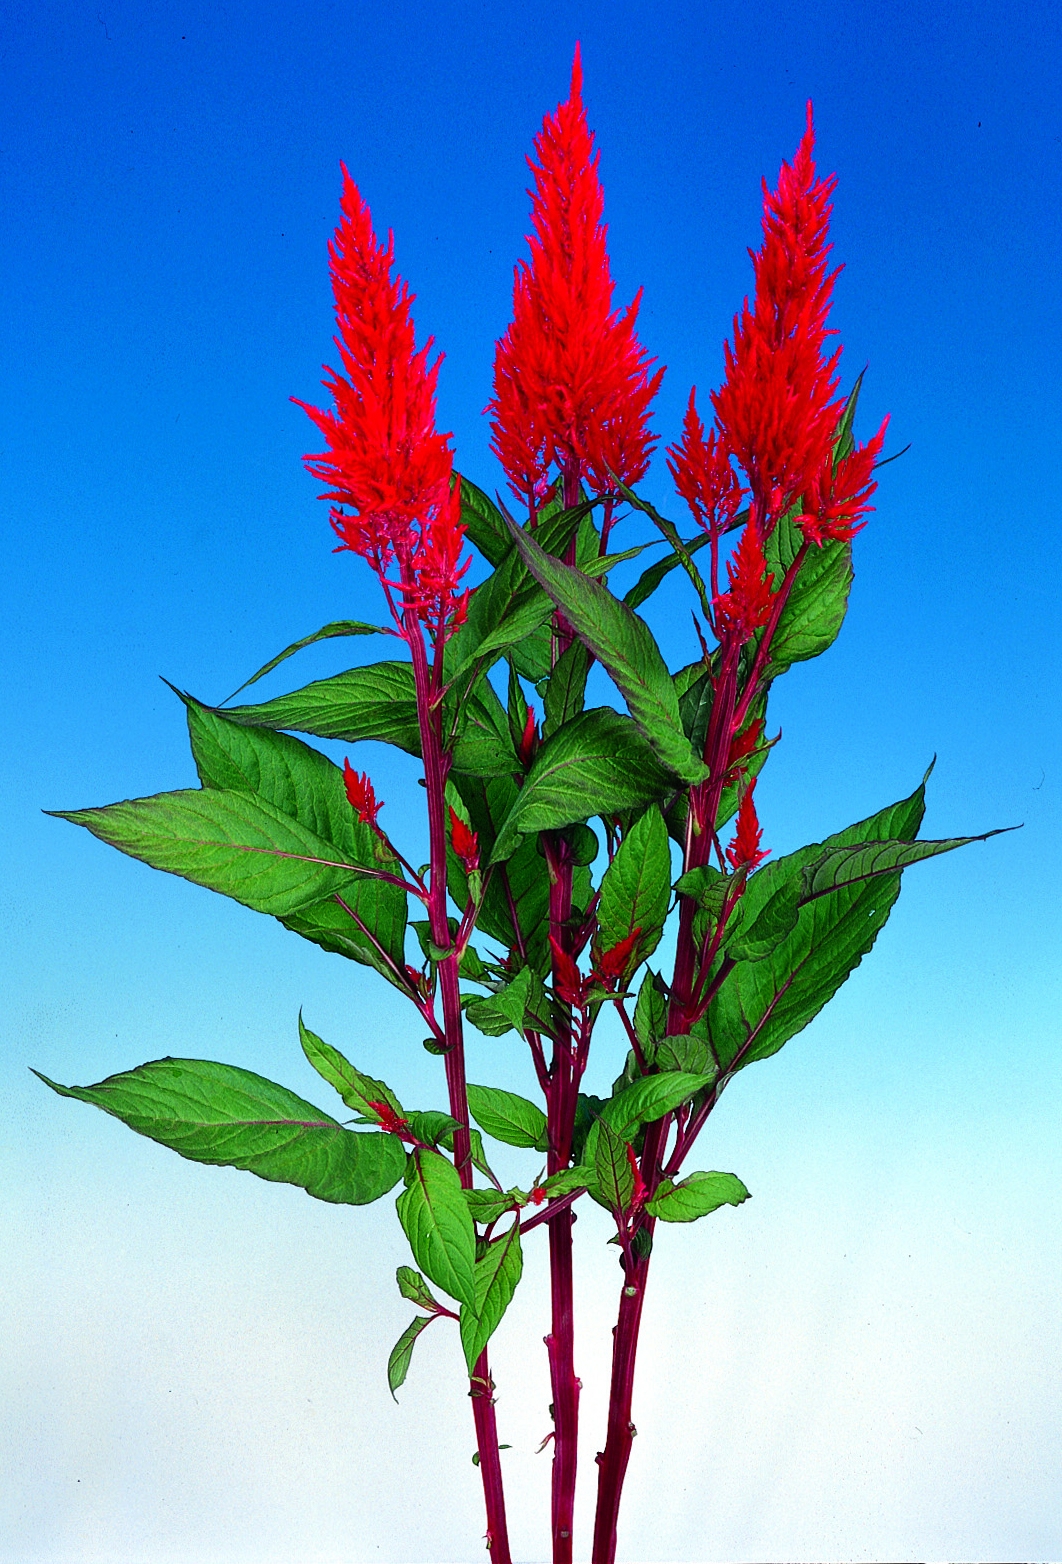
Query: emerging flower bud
(360, 795)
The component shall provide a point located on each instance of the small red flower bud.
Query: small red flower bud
(464, 842)
(639, 1192)
(612, 964)
(390, 1121)
(360, 794)
(568, 981)
(537, 1195)
(529, 740)
(744, 851)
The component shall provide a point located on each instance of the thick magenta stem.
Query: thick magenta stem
(612, 1462)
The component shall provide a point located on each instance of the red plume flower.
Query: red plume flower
(569, 983)
(571, 380)
(703, 474)
(464, 842)
(777, 410)
(389, 471)
(742, 746)
(746, 606)
(360, 794)
(744, 851)
(838, 497)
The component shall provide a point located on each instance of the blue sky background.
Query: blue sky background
(862, 1363)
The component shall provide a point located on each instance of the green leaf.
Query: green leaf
(374, 702)
(650, 1013)
(696, 1195)
(650, 579)
(689, 1053)
(814, 611)
(625, 647)
(497, 1276)
(613, 1177)
(487, 1205)
(436, 1221)
(839, 866)
(518, 887)
(597, 764)
(753, 935)
(636, 887)
(566, 1180)
(228, 1117)
(230, 842)
(413, 1286)
(338, 627)
(483, 522)
(706, 885)
(482, 745)
(506, 1010)
(508, 1117)
(434, 1127)
(566, 689)
(475, 1140)
(763, 1003)
(402, 1352)
(650, 1098)
(282, 771)
(358, 1091)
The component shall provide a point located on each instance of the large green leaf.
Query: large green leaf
(508, 1117)
(230, 842)
(597, 764)
(219, 1114)
(624, 645)
(636, 886)
(308, 787)
(650, 1098)
(697, 1195)
(765, 1002)
(497, 1274)
(483, 522)
(815, 608)
(436, 1220)
(375, 702)
(840, 866)
(566, 689)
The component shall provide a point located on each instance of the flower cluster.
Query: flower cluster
(389, 471)
(572, 383)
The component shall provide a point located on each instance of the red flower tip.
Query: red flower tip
(744, 851)
(742, 746)
(537, 1195)
(746, 606)
(703, 474)
(572, 383)
(529, 740)
(568, 982)
(360, 795)
(838, 496)
(464, 842)
(639, 1191)
(390, 1120)
(611, 966)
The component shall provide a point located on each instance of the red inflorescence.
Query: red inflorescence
(389, 471)
(611, 965)
(360, 794)
(572, 383)
(704, 474)
(744, 851)
(390, 1121)
(464, 842)
(746, 606)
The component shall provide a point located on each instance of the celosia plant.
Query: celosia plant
(528, 919)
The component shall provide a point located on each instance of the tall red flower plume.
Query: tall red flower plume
(360, 794)
(777, 410)
(838, 497)
(388, 469)
(571, 380)
(744, 851)
(746, 606)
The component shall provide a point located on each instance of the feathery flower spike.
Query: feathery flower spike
(744, 851)
(746, 606)
(464, 842)
(360, 795)
(388, 469)
(571, 381)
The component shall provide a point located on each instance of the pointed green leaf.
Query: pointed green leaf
(508, 1117)
(566, 689)
(434, 1127)
(696, 1195)
(227, 841)
(650, 579)
(636, 887)
(625, 647)
(436, 1221)
(840, 866)
(358, 1091)
(650, 1013)
(566, 1180)
(650, 1098)
(483, 522)
(753, 936)
(375, 702)
(487, 1205)
(497, 1276)
(597, 764)
(338, 627)
(613, 1176)
(228, 1117)
(402, 1351)
(814, 611)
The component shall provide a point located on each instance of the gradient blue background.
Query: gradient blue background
(862, 1363)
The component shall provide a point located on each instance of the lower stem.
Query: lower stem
(482, 1394)
(612, 1462)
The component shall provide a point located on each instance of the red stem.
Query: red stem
(436, 764)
